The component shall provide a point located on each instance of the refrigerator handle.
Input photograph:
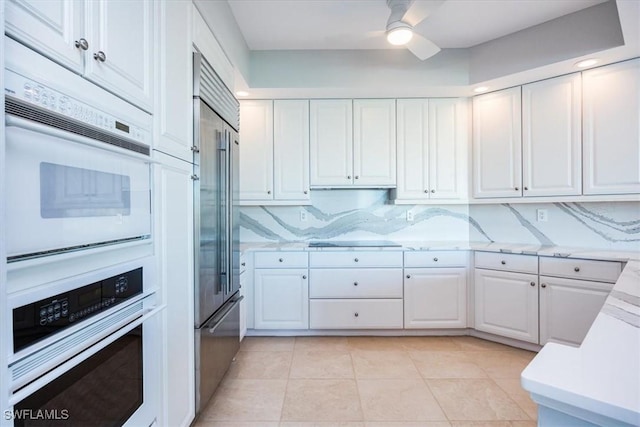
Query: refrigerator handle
(224, 229)
(229, 205)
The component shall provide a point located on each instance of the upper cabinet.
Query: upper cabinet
(274, 154)
(551, 137)
(611, 129)
(432, 154)
(527, 141)
(497, 147)
(353, 143)
(108, 42)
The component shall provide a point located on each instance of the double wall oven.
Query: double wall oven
(84, 347)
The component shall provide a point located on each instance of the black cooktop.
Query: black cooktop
(356, 244)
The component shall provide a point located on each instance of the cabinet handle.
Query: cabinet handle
(576, 269)
(82, 44)
(356, 314)
(100, 56)
(503, 262)
(408, 276)
(532, 283)
(433, 191)
(356, 259)
(355, 283)
(544, 285)
(435, 260)
(517, 189)
(280, 260)
(304, 276)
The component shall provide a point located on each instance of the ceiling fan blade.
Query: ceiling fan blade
(419, 10)
(422, 47)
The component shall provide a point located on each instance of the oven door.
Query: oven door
(112, 383)
(70, 192)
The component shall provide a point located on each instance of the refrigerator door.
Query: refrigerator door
(211, 218)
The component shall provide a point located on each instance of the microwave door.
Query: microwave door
(210, 224)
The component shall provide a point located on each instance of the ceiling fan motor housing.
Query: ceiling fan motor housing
(398, 10)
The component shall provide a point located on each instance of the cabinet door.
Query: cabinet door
(413, 149)
(174, 249)
(331, 140)
(123, 32)
(568, 308)
(506, 304)
(374, 142)
(552, 137)
(49, 27)
(291, 150)
(256, 150)
(611, 128)
(447, 154)
(435, 298)
(497, 150)
(173, 114)
(281, 299)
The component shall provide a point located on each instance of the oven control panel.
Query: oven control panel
(38, 320)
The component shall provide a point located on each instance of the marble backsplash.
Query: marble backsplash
(364, 215)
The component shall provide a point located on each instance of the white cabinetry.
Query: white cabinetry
(281, 291)
(435, 297)
(173, 195)
(432, 155)
(506, 302)
(355, 290)
(109, 42)
(497, 149)
(353, 143)
(611, 129)
(551, 137)
(274, 157)
(174, 92)
(570, 303)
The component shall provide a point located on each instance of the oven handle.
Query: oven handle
(80, 357)
(13, 121)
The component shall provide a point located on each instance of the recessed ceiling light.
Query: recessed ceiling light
(242, 93)
(481, 89)
(586, 63)
(400, 35)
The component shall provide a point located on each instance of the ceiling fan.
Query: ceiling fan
(405, 15)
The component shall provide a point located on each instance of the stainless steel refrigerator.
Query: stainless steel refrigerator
(216, 223)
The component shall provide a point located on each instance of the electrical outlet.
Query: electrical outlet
(409, 215)
(543, 215)
(303, 215)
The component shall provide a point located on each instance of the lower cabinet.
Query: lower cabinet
(568, 308)
(355, 313)
(435, 298)
(506, 304)
(281, 298)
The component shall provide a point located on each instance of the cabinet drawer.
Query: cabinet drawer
(355, 283)
(421, 259)
(280, 259)
(355, 314)
(356, 259)
(507, 262)
(601, 271)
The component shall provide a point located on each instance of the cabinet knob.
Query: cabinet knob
(532, 283)
(433, 191)
(306, 192)
(408, 276)
(268, 191)
(82, 44)
(526, 188)
(356, 259)
(304, 276)
(576, 269)
(435, 260)
(355, 283)
(356, 177)
(355, 314)
(195, 177)
(426, 191)
(244, 264)
(280, 259)
(348, 176)
(544, 285)
(503, 262)
(517, 189)
(100, 56)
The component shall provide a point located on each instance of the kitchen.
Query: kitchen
(291, 194)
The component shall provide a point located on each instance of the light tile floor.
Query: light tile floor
(372, 382)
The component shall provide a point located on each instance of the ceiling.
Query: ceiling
(359, 24)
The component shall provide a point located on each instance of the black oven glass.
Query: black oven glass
(67, 191)
(103, 391)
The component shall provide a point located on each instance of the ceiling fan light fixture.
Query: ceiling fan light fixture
(399, 33)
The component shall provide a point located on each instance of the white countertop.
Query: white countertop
(602, 376)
